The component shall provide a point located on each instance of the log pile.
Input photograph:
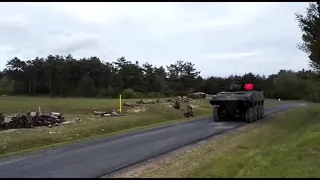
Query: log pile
(30, 120)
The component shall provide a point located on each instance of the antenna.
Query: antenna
(260, 71)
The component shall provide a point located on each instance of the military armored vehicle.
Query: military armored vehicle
(238, 102)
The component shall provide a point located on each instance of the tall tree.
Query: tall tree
(310, 27)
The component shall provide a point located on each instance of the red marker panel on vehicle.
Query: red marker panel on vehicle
(248, 87)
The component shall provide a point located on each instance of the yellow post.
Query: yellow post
(120, 104)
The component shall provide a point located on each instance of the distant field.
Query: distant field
(282, 147)
(65, 105)
(89, 126)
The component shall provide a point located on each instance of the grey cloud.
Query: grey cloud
(43, 27)
(184, 31)
(75, 42)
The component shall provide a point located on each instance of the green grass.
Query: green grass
(16, 104)
(26, 140)
(89, 127)
(286, 145)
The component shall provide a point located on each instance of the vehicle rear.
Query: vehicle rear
(231, 103)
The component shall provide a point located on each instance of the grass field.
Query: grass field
(89, 126)
(24, 140)
(286, 145)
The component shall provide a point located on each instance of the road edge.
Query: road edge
(166, 155)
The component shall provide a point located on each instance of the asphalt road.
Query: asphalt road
(103, 156)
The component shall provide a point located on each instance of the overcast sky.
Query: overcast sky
(219, 38)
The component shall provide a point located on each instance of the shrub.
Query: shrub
(129, 94)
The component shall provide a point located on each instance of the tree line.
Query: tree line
(91, 77)
(57, 75)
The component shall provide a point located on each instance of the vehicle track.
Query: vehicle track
(99, 157)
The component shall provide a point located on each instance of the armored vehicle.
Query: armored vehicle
(238, 101)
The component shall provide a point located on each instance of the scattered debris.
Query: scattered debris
(149, 101)
(129, 104)
(136, 107)
(98, 113)
(30, 120)
(180, 99)
(197, 95)
(169, 100)
(177, 105)
(54, 132)
(8, 131)
(137, 110)
(72, 121)
(141, 102)
(194, 106)
(107, 114)
(189, 112)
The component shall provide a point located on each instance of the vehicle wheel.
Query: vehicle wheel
(249, 115)
(217, 115)
(255, 111)
(261, 111)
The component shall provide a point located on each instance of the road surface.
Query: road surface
(99, 157)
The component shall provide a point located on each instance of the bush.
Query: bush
(314, 97)
(102, 93)
(129, 94)
(289, 86)
(139, 95)
(6, 87)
